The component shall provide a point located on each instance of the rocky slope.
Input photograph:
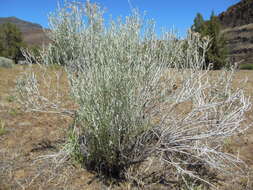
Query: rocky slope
(237, 23)
(33, 34)
(240, 43)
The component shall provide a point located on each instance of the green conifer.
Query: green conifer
(10, 41)
(217, 52)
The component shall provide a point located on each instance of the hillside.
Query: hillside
(238, 14)
(240, 42)
(237, 23)
(33, 34)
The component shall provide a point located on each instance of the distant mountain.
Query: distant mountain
(23, 25)
(237, 23)
(238, 14)
(33, 34)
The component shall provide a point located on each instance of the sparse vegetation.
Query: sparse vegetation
(139, 108)
(13, 112)
(11, 98)
(2, 127)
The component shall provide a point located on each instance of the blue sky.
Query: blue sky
(177, 14)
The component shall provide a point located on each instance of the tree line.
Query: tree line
(11, 40)
(217, 53)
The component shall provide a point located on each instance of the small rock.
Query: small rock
(22, 62)
(23, 124)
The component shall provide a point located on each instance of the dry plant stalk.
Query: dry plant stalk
(140, 97)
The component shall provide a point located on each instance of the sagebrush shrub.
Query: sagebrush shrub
(6, 63)
(140, 98)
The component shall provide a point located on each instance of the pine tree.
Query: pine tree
(10, 41)
(1, 46)
(217, 52)
(199, 22)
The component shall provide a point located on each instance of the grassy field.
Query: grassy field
(25, 137)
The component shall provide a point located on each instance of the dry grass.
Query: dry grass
(30, 135)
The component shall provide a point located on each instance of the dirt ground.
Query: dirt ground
(26, 137)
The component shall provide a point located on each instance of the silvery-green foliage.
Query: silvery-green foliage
(141, 96)
(6, 63)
